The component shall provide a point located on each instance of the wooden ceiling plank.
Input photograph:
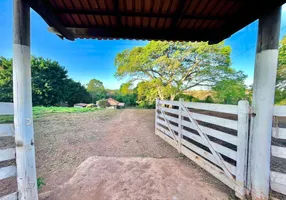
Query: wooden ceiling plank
(135, 14)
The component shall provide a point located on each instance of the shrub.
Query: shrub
(40, 182)
(209, 99)
(103, 103)
(91, 105)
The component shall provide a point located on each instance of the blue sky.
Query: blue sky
(87, 59)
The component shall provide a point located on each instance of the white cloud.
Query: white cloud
(248, 81)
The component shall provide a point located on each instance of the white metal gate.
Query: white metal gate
(212, 135)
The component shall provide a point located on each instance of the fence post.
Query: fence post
(263, 101)
(242, 145)
(22, 95)
(180, 125)
(156, 114)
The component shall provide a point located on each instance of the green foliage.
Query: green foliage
(50, 83)
(209, 99)
(103, 103)
(229, 91)
(96, 90)
(147, 94)
(280, 95)
(166, 69)
(125, 88)
(40, 182)
(125, 94)
(6, 80)
(75, 92)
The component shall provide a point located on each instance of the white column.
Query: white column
(262, 103)
(22, 93)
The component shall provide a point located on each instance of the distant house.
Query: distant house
(114, 104)
(80, 105)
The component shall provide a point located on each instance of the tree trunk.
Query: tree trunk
(172, 97)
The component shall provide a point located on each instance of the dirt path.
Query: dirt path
(64, 141)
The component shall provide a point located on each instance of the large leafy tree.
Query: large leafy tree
(75, 92)
(169, 68)
(50, 83)
(96, 90)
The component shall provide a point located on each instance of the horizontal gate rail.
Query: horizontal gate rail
(6, 108)
(7, 169)
(208, 140)
(278, 150)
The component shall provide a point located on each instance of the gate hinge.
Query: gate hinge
(251, 112)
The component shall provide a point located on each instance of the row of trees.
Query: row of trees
(160, 69)
(50, 83)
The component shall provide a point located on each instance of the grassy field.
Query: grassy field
(39, 111)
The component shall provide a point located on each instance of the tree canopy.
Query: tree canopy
(229, 91)
(50, 83)
(96, 90)
(166, 69)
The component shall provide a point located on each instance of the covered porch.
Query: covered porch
(172, 20)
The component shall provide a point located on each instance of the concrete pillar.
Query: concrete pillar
(263, 101)
(22, 94)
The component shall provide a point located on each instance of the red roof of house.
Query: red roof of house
(112, 102)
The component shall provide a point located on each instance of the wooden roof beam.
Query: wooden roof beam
(144, 34)
(117, 13)
(230, 24)
(48, 13)
(134, 14)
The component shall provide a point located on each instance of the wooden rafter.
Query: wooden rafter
(179, 14)
(46, 10)
(118, 13)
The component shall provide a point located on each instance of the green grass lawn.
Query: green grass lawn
(39, 111)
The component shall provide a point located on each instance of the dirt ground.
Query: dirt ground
(114, 154)
(65, 141)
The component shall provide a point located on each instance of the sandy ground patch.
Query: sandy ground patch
(103, 178)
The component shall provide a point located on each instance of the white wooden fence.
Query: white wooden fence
(278, 179)
(6, 154)
(213, 136)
